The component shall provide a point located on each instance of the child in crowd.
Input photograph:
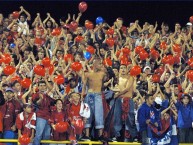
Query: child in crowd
(57, 116)
(26, 122)
(77, 113)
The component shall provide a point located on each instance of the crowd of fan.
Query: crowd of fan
(163, 86)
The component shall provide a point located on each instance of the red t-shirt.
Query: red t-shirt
(26, 124)
(44, 110)
(10, 111)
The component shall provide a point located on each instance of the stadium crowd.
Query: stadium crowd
(91, 81)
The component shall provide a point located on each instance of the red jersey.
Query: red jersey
(26, 124)
(73, 111)
(57, 117)
(44, 110)
(10, 111)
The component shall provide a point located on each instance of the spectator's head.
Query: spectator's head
(186, 99)
(41, 54)
(10, 17)
(123, 69)
(147, 70)
(119, 22)
(149, 99)
(3, 77)
(166, 27)
(27, 108)
(78, 56)
(22, 18)
(4, 87)
(42, 86)
(59, 104)
(59, 53)
(9, 93)
(15, 27)
(80, 30)
(167, 75)
(74, 98)
(5, 22)
(16, 86)
(49, 24)
(97, 63)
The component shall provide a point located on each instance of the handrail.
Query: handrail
(82, 142)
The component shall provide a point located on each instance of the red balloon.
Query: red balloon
(89, 25)
(156, 78)
(118, 53)
(154, 54)
(190, 62)
(15, 14)
(90, 49)
(124, 62)
(73, 25)
(143, 55)
(138, 49)
(39, 41)
(39, 70)
(126, 51)
(79, 126)
(177, 59)
(8, 70)
(46, 61)
(61, 127)
(51, 69)
(6, 58)
(41, 29)
(79, 39)
(191, 19)
(108, 62)
(68, 57)
(25, 83)
(59, 79)
(82, 7)
(56, 31)
(124, 58)
(24, 139)
(110, 42)
(110, 31)
(163, 45)
(176, 48)
(16, 78)
(190, 75)
(135, 70)
(76, 66)
(168, 59)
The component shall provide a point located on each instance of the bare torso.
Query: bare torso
(123, 83)
(95, 81)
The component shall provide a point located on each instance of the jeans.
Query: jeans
(9, 135)
(129, 122)
(94, 100)
(185, 135)
(42, 131)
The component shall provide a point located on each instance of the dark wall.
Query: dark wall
(169, 12)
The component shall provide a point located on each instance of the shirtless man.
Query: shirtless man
(94, 81)
(124, 105)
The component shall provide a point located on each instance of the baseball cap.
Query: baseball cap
(146, 67)
(9, 90)
(158, 101)
(189, 24)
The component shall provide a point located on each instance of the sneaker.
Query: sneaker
(85, 138)
(74, 142)
(114, 139)
(102, 138)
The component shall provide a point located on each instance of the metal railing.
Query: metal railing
(85, 142)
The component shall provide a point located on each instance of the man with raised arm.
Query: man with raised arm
(94, 81)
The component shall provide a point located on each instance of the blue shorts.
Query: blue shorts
(94, 100)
